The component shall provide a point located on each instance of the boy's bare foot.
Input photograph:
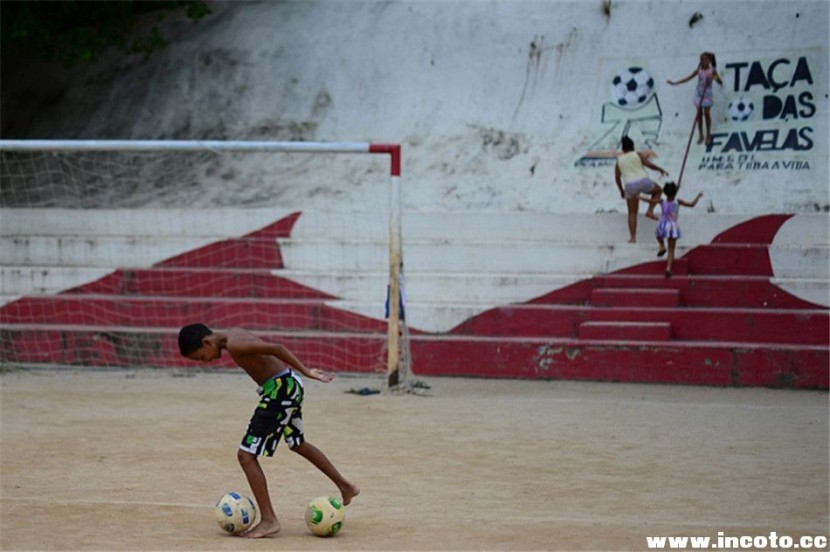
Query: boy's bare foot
(700, 139)
(652, 216)
(709, 140)
(632, 240)
(262, 529)
(348, 493)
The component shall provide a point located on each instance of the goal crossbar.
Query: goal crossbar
(393, 150)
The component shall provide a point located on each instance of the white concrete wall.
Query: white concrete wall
(497, 103)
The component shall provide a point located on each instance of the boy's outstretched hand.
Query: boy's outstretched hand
(319, 375)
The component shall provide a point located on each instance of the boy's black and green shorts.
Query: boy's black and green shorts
(278, 414)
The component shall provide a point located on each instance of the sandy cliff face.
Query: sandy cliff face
(500, 106)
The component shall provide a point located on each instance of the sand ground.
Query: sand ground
(135, 459)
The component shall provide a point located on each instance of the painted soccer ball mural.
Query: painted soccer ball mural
(631, 87)
(740, 109)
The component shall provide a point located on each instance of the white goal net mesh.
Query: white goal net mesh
(106, 254)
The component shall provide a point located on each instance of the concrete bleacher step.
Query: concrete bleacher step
(137, 223)
(360, 226)
(484, 288)
(127, 251)
(626, 331)
(511, 226)
(463, 287)
(707, 363)
(754, 259)
(41, 280)
(102, 345)
(635, 297)
(200, 282)
(649, 267)
(704, 290)
(804, 326)
(140, 311)
(490, 256)
(807, 326)
(132, 251)
(695, 363)
(451, 287)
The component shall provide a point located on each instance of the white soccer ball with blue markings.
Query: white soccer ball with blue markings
(740, 109)
(632, 87)
(235, 512)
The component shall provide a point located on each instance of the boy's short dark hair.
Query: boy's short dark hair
(191, 336)
(627, 144)
(670, 189)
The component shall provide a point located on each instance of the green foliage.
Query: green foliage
(73, 31)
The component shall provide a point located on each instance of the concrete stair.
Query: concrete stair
(626, 331)
(631, 297)
(529, 296)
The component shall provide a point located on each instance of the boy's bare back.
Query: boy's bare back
(247, 350)
(263, 360)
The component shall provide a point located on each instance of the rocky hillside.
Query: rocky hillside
(499, 105)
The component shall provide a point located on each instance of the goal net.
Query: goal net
(109, 247)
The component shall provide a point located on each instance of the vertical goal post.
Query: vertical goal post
(393, 150)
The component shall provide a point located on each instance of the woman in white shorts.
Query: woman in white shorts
(630, 169)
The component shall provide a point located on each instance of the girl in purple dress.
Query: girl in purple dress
(667, 228)
(707, 71)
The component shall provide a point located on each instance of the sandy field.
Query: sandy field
(135, 460)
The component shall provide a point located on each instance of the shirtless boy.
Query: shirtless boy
(278, 413)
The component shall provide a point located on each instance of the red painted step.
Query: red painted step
(256, 314)
(703, 290)
(199, 282)
(721, 363)
(121, 346)
(635, 297)
(679, 266)
(626, 331)
(699, 324)
(245, 252)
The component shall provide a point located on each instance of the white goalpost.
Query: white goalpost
(108, 246)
